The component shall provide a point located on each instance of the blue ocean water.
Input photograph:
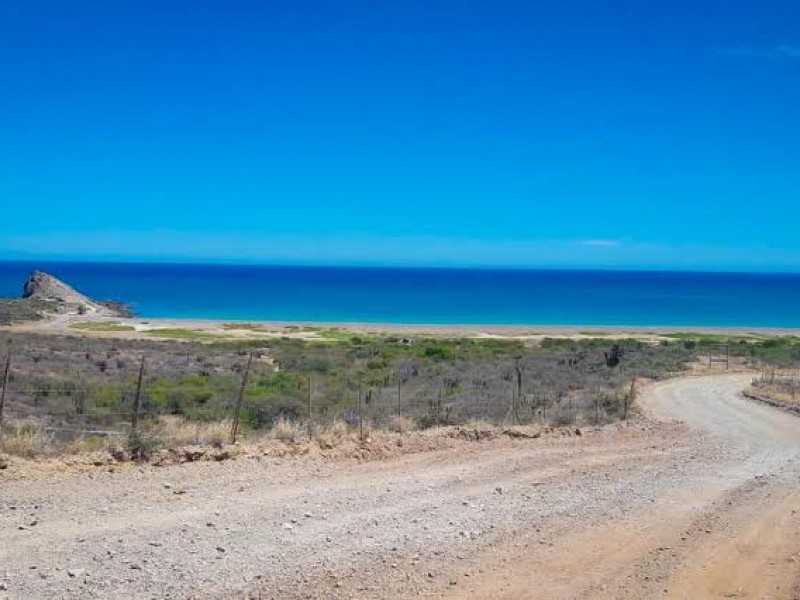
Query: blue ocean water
(431, 296)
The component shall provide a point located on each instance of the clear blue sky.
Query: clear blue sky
(661, 134)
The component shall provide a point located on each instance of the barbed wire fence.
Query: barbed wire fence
(363, 399)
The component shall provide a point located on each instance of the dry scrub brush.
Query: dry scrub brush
(295, 386)
(178, 431)
(25, 439)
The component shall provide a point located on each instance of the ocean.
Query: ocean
(430, 296)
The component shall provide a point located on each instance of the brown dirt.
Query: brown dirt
(705, 506)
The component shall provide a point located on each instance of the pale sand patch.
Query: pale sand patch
(318, 331)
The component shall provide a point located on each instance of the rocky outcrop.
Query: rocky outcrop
(43, 286)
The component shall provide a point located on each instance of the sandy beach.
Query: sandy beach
(148, 328)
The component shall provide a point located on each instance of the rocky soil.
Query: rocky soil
(699, 499)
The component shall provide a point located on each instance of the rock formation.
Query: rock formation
(45, 287)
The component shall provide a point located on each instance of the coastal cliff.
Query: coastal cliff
(44, 295)
(43, 286)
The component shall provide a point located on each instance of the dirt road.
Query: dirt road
(700, 499)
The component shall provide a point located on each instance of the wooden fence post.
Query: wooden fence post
(240, 399)
(544, 407)
(310, 413)
(630, 398)
(5, 383)
(399, 406)
(596, 409)
(360, 414)
(137, 400)
(519, 392)
(439, 408)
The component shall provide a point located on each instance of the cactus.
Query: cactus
(614, 357)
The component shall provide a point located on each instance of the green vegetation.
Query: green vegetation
(21, 311)
(423, 380)
(102, 326)
(332, 334)
(777, 351)
(708, 338)
(243, 327)
(188, 334)
(781, 352)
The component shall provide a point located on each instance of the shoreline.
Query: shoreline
(489, 328)
(634, 303)
(154, 328)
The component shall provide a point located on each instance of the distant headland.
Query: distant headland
(44, 295)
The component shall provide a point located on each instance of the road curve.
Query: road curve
(728, 529)
(699, 499)
(715, 405)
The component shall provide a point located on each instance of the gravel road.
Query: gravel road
(698, 498)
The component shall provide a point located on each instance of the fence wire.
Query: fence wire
(76, 390)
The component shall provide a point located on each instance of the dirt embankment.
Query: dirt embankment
(773, 398)
(700, 501)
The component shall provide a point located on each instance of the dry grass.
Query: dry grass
(331, 435)
(777, 393)
(30, 452)
(480, 425)
(88, 444)
(168, 437)
(401, 424)
(25, 439)
(176, 431)
(294, 433)
(288, 432)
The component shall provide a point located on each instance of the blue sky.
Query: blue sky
(623, 134)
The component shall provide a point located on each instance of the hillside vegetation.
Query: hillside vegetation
(62, 387)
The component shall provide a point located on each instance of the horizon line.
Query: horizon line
(431, 267)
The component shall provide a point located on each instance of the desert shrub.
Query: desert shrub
(289, 432)
(563, 415)
(322, 366)
(87, 443)
(330, 434)
(401, 424)
(438, 415)
(438, 352)
(143, 443)
(176, 431)
(475, 378)
(265, 412)
(25, 439)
